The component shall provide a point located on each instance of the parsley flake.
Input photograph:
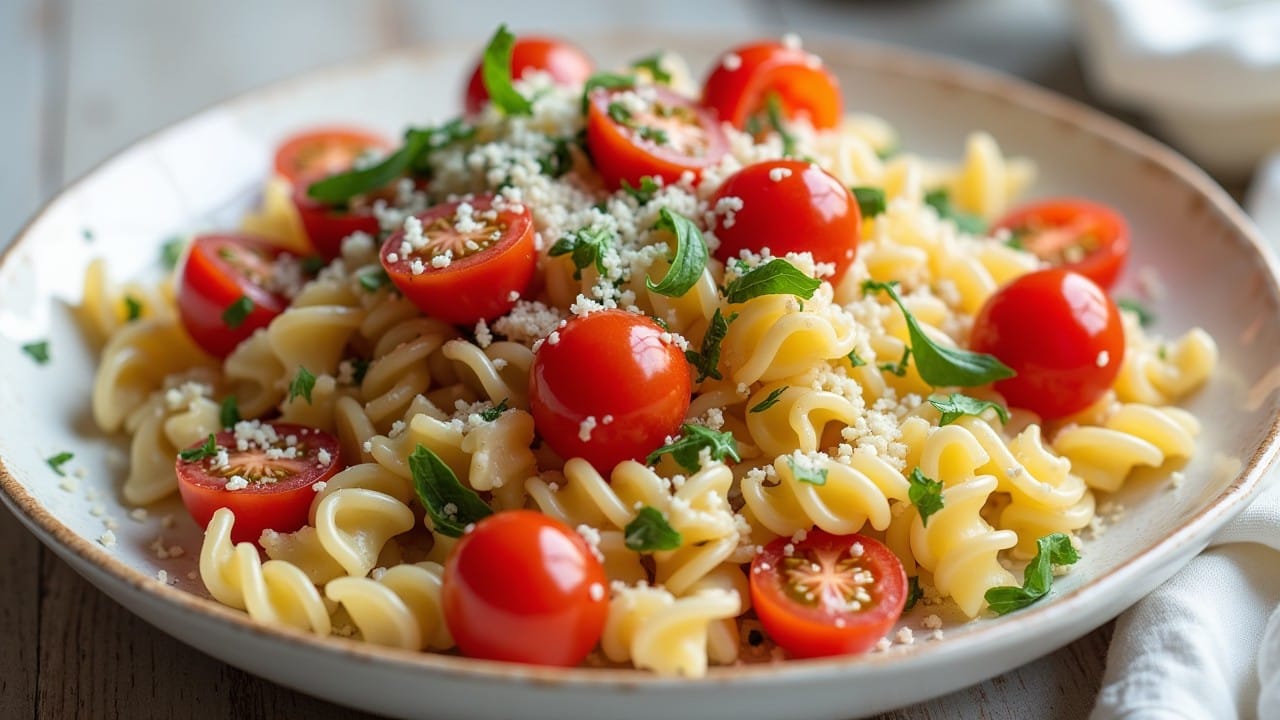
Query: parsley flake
(303, 383)
(706, 361)
(693, 439)
(312, 264)
(229, 412)
(899, 368)
(653, 65)
(776, 277)
(359, 366)
(237, 312)
(495, 412)
(690, 257)
(925, 494)
(450, 504)
(940, 200)
(806, 473)
(871, 201)
(205, 450)
(650, 532)
(769, 401)
(643, 194)
(373, 278)
(1145, 317)
(607, 81)
(132, 308)
(1037, 579)
(37, 351)
(171, 252)
(559, 161)
(56, 462)
(586, 247)
(913, 592)
(957, 405)
(854, 360)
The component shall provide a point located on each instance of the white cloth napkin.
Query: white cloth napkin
(1206, 644)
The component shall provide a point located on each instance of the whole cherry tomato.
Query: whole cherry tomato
(566, 64)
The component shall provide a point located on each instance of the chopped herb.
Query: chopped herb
(206, 450)
(229, 412)
(236, 313)
(451, 505)
(769, 401)
(643, 194)
(608, 81)
(871, 201)
(1015, 242)
(373, 278)
(706, 361)
(419, 143)
(1145, 317)
(653, 64)
(586, 247)
(940, 200)
(1162, 352)
(899, 368)
(1037, 579)
(773, 109)
(693, 439)
(690, 257)
(132, 308)
(657, 136)
(925, 494)
(939, 365)
(87, 234)
(312, 264)
(495, 71)
(495, 412)
(854, 360)
(806, 474)
(559, 161)
(958, 405)
(888, 151)
(171, 252)
(360, 366)
(619, 113)
(57, 461)
(38, 351)
(303, 383)
(913, 592)
(650, 532)
(776, 277)
(663, 324)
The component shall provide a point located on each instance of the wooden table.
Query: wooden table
(84, 78)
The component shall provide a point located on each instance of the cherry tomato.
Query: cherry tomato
(1079, 235)
(327, 225)
(471, 256)
(566, 64)
(650, 131)
(220, 272)
(608, 389)
(324, 151)
(524, 587)
(1060, 332)
(831, 595)
(281, 462)
(742, 81)
(790, 206)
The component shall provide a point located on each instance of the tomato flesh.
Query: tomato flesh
(524, 587)
(219, 271)
(324, 151)
(280, 476)
(469, 262)
(790, 206)
(1087, 237)
(650, 131)
(609, 389)
(566, 64)
(1060, 332)
(830, 595)
(743, 80)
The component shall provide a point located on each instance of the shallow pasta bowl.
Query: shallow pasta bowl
(204, 172)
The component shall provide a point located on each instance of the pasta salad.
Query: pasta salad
(616, 369)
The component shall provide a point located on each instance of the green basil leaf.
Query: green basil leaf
(37, 351)
(776, 277)
(207, 449)
(373, 278)
(495, 412)
(650, 532)
(337, 189)
(653, 64)
(451, 505)
(57, 461)
(773, 108)
(132, 308)
(608, 81)
(495, 71)
(1037, 579)
(769, 401)
(871, 201)
(693, 439)
(707, 361)
(806, 474)
(237, 312)
(854, 360)
(229, 412)
(1145, 317)
(586, 247)
(690, 256)
(940, 200)
(302, 384)
(925, 494)
(957, 405)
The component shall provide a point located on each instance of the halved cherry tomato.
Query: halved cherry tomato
(327, 226)
(469, 259)
(790, 206)
(219, 272)
(280, 463)
(324, 151)
(831, 595)
(609, 388)
(524, 587)
(1079, 235)
(566, 64)
(1060, 332)
(742, 81)
(650, 131)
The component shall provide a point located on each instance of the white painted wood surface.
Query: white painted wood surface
(83, 78)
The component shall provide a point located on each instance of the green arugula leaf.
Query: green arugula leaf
(693, 438)
(913, 593)
(1037, 579)
(495, 71)
(206, 450)
(132, 308)
(773, 109)
(373, 278)
(690, 257)
(229, 412)
(769, 401)
(451, 505)
(854, 360)
(899, 368)
(650, 532)
(871, 201)
(56, 462)
(1145, 317)
(805, 474)
(37, 351)
(495, 412)
(303, 383)
(653, 64)
(925, 494)
(957, 405)
(171, 252)
(607, 81)
(942, 366)
(776, 277)
(237, 312)
(940, 200)
(586, 247)
(707, 361)
(643, 194)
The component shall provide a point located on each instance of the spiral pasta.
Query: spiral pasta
(654, 630)
(1134, 435)
(401, 607)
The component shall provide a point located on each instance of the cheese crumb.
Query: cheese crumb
(323, 458)
(586, 427)
(108, 539)
(1104, 357)
(778, 174)
(905, 636)
(931, 622)
(596, 591)
(236, 482)
(138, 514)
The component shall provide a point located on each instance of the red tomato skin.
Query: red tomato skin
(323, 151)
(566, 64)
(769, 66)
(328, 226)
(518, 588)
(475, 287)
(1052, 327)
(282, 507)
(811, 632)
(209, 286)
(617, 157)
(806, 211)
(609, 363)
(1103, 265)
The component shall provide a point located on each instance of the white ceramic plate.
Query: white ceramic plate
(203, 173)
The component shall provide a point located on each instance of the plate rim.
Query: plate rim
(961, 74)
